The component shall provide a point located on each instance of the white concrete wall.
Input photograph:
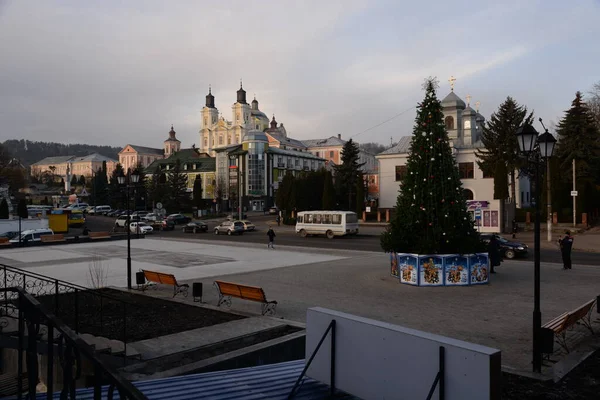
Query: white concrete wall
(377, 360)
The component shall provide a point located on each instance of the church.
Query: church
(464, 126)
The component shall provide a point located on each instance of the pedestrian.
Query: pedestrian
(271, 235)
(566, 245)
(278, 219)
(494, 253)
(514, 228)
(86, 231)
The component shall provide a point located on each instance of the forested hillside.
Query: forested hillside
(29, 152)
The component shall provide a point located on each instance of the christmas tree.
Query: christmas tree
(431, 213)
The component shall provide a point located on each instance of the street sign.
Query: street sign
(368, 209)
(159, 205)
(478, 213)
(574, 193)
(83, 192)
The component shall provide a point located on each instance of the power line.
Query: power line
(384, 122)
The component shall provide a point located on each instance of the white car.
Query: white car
(140, 227)
(32, 235)
(151, 217)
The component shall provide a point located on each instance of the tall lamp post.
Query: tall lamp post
(537, 149)
(127, 181)
(233, 157)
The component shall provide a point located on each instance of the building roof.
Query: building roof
(294, 153)
(328, 142)
(403, 146)
(469, 111)
(273, 382)
(192, 157)
(145, 150)
(452, 100)
(54, 160)
(92, 157)
(286, 140)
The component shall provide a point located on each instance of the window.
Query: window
(296, 162)
(465, 170)
(256, 127)
(527, 197)
(467, 124)
(205, 121)
(449, 122)
(351, 218)
(468, 194)
(220, 139)
(400, 172)
(205, 142)
(331, 154)
(300, 219)
(309, 219)
(327, 219)
(318, 218)
(317, 154)
(237, 117)
(336, 219)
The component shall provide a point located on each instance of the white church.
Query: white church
(464, 125)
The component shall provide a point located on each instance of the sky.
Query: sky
(116, 72)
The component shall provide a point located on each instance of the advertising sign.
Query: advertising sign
(409, 268)
(394, 264)
(479, 268)
(456, 270)
(474, 204)
(431, 270)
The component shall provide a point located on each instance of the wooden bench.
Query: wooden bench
(99, 235)
(165, 279)
(4, 241)
(57, 237)
(567, 321)
(227, 290)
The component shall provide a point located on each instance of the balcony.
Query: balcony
(281, 165)
(306, 168)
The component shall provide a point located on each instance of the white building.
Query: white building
(464, 126)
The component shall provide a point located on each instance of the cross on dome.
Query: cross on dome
(452, 80)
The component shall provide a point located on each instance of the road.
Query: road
(367, 241)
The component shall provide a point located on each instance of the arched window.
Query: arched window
(468, 194)
(449, 121)
(220, 139)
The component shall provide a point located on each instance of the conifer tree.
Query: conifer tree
(4, 211)
(178, 197)
(431, 212)
(347, 174)
(328, 202)
(197, 192)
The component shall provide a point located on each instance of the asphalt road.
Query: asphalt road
(369, 241)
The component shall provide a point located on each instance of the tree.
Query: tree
(373, 148)
(284, 193)
(82, 180)
(11, 173)
(177, 183)
(117, 195)
(4, 209)
(328, 200)
(431, 212)
(594, 103)
(22, 209)
(74, 180)
(579, 140)
(197, 192)
(347, 174)
(100, 186)
(140, 192)
(500, 155)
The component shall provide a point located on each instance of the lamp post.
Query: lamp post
(536, 149)
(239, 176)
(127, 181)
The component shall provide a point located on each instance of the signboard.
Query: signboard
(574, 193)
(83, 192)
(474, 204)
(431, 271)
(478, 213)
(456, 270)
(159, 205)
(478, 266)
(408, 268)
(368, 209)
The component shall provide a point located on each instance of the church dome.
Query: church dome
(241, 95)
(260, 115)
(254, 135)
(467, 112)
(452, 100)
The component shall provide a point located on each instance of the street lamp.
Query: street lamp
(537, 149)
(127, 181)
(233, 157)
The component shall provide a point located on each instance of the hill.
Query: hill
(29, 152)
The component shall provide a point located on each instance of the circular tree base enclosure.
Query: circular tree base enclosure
(440, 269)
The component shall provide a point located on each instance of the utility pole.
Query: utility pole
(549, 201)
(574, 198)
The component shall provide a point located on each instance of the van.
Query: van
(32, 235)
(121, 221)
(100, 210)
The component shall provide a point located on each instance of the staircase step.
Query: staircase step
(116, 347)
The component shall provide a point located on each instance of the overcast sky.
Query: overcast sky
(117, 72)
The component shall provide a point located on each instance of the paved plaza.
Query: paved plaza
(496, 315)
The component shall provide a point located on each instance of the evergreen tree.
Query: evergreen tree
(347, 174)
(100, 186)
(82, 180)
(431, 212)
(74, 180)
(594, 103)
(284, 193)
(197, 192)
(22, 209)
(500, 155)
(4, 209)
(116, 192)
(140, 192)
(579, 139)
(178, 198)
(328, 200)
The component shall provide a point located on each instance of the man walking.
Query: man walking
(566, 245)
(271, 235)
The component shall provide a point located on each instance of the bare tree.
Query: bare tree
(594, 103)
(97, 273)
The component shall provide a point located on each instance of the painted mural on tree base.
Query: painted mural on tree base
(440, 269)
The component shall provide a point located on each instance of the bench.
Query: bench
(227, 290)
(99, 235)
(58, 237)
(165, 279)
(567, 321)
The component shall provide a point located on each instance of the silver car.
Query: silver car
(230, 228)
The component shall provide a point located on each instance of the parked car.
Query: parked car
(508, 248)
(140, 227)
(248, 226)
(195, 227)
(10, 235)
(230, 228)
(140, 214)
(32, 235)
(150, 217)
(114, 213)
(179, 219)
(167, 224)
(100, 210)
(121, 220)
(273, 211)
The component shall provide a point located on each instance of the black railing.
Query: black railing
(59, 342)
(83, 309)
(439, 377)
(331, 328)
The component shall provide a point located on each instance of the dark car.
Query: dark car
(9, 235)
(114, 213)
(167, 225)
(507, 248)
(195, 227)
(179, 219)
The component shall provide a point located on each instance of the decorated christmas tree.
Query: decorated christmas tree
(431, 214)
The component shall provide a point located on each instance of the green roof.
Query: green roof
(195, 161)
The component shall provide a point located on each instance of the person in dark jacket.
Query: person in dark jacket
(566, 245)
(86, 231)
(271, 235)
(494, 254)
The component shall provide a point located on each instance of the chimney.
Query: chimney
(339, 135)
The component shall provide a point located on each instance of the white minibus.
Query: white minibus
(328, 223)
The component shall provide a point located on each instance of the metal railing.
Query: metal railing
(61, 344)
(83, 309)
